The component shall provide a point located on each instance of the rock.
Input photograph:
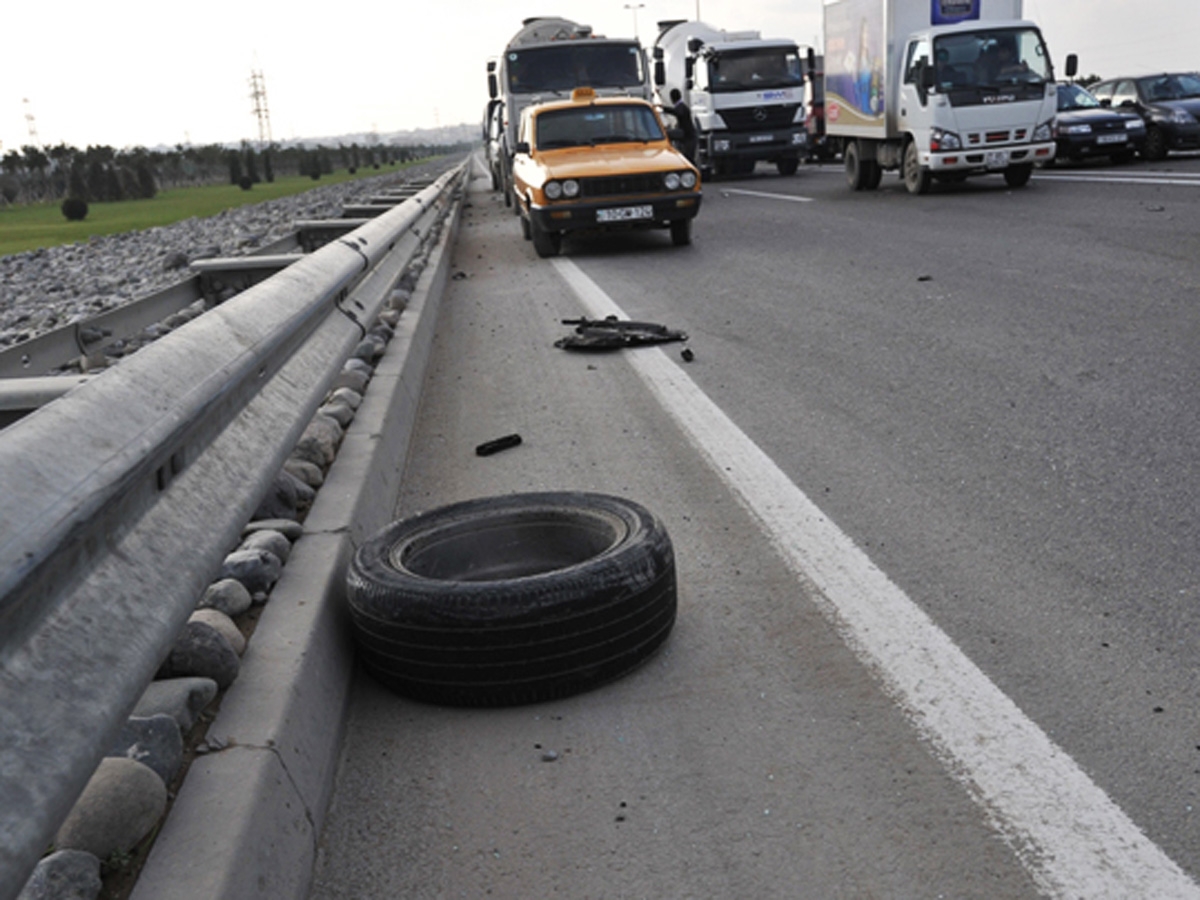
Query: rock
(289, 528)
(228, 595)
(155, 741)
(121, 803)
(271, 541)
(224, 625)
(183, 699)
(257, 570)
(64, 875)
(201, 650)
(338, 410)
(356, 381)
(319, 442)
(351, 398)
(285, 499)
(307, 472)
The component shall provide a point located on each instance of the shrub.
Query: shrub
(246, 182)
(75, 209)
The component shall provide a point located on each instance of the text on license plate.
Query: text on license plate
(624, 213)
(1111, 139)
(761, 138)
(997, 159)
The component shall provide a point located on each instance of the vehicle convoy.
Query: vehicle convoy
(938, 89)
(1169, 104)
(546, 60)
(600, 163)
(745, 94)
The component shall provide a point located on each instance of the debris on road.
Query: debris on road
(495, 446)
(611, 334)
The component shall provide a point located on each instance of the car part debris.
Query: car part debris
(495, 446)
(612, 333)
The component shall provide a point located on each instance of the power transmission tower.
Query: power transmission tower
(258, 93)
(31, 124)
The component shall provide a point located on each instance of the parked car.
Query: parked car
(1169, 104)
(593, 163)
(1084, 128)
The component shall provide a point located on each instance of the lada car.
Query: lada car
(590, 163)
(1085, 128)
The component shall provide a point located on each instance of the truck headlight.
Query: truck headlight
(940, 139)
(1043, 132)
(721, 145)
(799, 138)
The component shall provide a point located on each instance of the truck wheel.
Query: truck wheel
(513, 599)
(545, 243)
(916, 176)
(1018, 176)
(856, 175)
(874, 175)
(681, 232)
(787, 166)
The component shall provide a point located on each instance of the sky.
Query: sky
(126, 73)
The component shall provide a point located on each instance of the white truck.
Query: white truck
(939, 89)
(745, 94)
(546, 60)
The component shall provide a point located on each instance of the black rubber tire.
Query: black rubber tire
(523, 598)
(545, 243)
(1156, 144)
(788, 166)
(1018, 176)
(681, 232)
(873, 177)
(916, 176)
(856, 172)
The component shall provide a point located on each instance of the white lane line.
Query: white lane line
(1190, 181)
(1070, 836)
(770, 196)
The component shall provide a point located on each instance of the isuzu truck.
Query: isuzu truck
(546, 60)
(937, 89)
(745, 94)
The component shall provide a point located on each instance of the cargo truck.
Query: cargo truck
(745, 93)
(546, 60)
(937, 89)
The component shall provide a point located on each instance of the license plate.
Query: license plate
(997, 159)
(1112, 139)
(761, 138)
(624, 213)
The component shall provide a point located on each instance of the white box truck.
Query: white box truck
(546, 60)
(745, 94)
(938, 89)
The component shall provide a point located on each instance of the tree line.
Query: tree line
(100, 173)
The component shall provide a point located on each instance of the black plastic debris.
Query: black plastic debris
(495, 446)
(612, 333)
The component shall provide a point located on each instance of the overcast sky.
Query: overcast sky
(136, 72)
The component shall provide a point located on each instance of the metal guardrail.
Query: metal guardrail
(123, 496)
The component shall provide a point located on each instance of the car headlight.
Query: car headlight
(553, 190)
(688, 180)
(940, 139)
(1043, 132)
(1182, 117)
(1076, 129)
(570, 188)
(1135, 125)
(671, 181)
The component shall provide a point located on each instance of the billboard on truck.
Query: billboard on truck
(855, 57)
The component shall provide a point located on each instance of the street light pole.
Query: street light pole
(635, 7)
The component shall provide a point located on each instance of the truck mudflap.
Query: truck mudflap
(989, 159)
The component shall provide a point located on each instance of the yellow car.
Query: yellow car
(600, 163)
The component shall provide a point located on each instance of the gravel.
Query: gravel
(41, 290)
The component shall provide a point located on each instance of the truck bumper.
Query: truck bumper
(990, 159)
(768, 144)
(628, 212)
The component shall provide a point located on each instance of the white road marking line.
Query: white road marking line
(1189, 180)
(1070, 836)
(766, 194)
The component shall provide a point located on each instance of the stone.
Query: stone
(183, 699)
(271, 541)
(289, 528)
(307, 472)
(228, 596)
(121, 803)
(64, 875)
(257, 570)
(201, 650)
(282, 499)
(155, 741)
(224, 625)
(351, 398)
(356, 381)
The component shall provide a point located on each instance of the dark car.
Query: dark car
(1169, 104)
(1085, 128)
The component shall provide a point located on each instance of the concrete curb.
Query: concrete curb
(247, 819)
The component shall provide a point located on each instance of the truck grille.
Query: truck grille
(621, 184)
(756, 118)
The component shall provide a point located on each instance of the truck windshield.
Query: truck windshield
(988, 61)
(754, 70)
(573, 64)
(587, 126)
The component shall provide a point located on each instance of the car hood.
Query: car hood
(611, 159)
(1190, 104)
(1091, 116)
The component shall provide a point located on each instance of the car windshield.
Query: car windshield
(587, 126)
(991, 59)
(574, 64)
(1072, 96)
(754, 70)
(1169, 87)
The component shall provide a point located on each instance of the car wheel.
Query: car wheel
(1156, 144)
(525, 229)
(1018, 176)
(681, 232)
(545, 243)
(916, 176)
(515, 599)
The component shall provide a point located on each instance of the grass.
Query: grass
(43, 224)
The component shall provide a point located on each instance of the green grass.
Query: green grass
(43, 224)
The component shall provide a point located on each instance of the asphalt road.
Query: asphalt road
(931, 482)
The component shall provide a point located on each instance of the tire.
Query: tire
(916, 176)
(500, 601)
(787, 166)
(874, 175)
(545, 243)
(681, 232)
(856, 174)
(1018, 176)
(526, 231)
(1156, 144)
